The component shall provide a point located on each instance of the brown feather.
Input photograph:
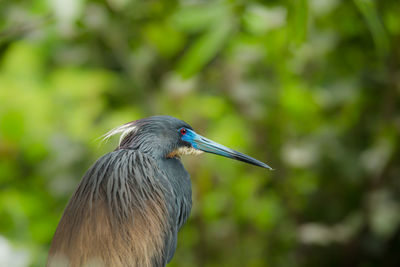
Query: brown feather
(103, 227)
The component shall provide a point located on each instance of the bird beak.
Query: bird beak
(209, 146)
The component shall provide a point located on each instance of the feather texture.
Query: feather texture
(118, 215)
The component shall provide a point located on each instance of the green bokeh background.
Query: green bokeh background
(310, 87)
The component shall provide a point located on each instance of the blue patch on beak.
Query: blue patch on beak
(201, 143)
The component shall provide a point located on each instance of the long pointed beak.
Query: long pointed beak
(209, 146)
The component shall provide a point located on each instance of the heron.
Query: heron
(131, 203)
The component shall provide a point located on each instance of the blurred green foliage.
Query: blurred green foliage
(310, 87)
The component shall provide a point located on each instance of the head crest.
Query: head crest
(124, 130)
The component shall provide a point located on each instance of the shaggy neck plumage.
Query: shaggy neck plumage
(117, 216)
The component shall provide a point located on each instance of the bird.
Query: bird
(131, 203)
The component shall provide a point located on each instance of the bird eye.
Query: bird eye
(182, 131)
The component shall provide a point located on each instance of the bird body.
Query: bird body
(130, 205)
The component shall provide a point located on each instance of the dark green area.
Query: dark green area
(310, 87)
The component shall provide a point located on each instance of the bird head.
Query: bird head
(168, 137)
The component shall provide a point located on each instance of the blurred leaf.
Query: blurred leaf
(298, 21)
(12, 126)
(23, 60)
(259, 19)
(369, 11)
(204, 49)
(194, 18)
(166, 39)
